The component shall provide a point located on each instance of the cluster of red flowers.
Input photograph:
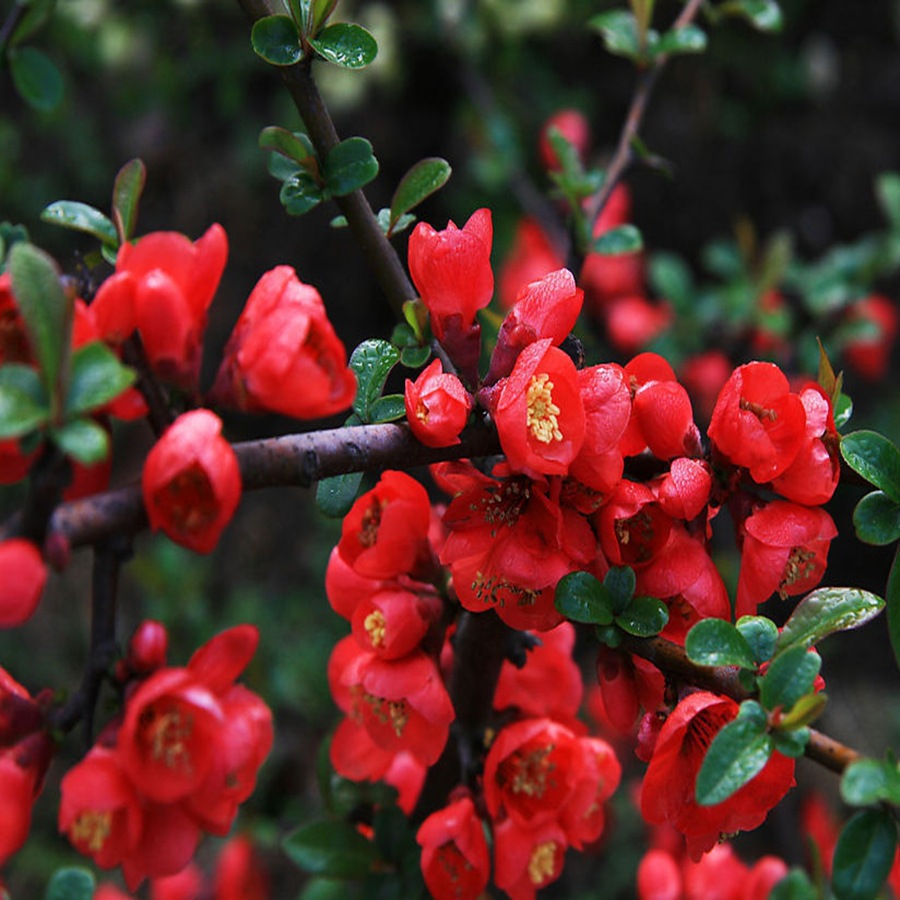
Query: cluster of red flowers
(179, 760)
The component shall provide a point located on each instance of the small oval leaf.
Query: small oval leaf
(421, 181)
(876, 519)
(826, 611)
(275, 39)
(864, 855)
(619, 240)
(36, 77)
(126, 199)
(81, 217)
(715, 642)
(580, 597)
(346, 45)
(790, 675)
(644, 617)
(875, 458)
(349, 166)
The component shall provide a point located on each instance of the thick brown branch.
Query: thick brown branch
(296, 459)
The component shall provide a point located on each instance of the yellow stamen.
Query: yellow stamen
(542, 411)
(92, 828)
(542, 863)
(374, 624)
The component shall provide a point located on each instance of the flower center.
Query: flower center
(758, 410)
(374, 623)
(542, 863)
(526, 772)
(189, 500)
(542, 411)
(92, 828)
(368, 528)
(421, 412)
(801, 564)
(167, 734)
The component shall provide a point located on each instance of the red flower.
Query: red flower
(869, 356)
(22, 770)
(24, 575)
(574, 127)
(392, 621)
(632, 321)
(632, 526)
(191, 481)
(785, 549)
(385, 534)
(627, 684)
(758, 423)
(437, 406)
(684, 490)
(238, 873)
(99, 810)
(452, 270)
(283, 355)
(539, 413)
(546, 308)
(527, 859)
(184, 885)
(667, 792)
(163, 286)
(455, 860)
(530, 258)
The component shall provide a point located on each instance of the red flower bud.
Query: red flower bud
(163, 286)
(191, 481)
(437, 406)
(574, 127)
(24, 574)
(284, 355)
(147, 647)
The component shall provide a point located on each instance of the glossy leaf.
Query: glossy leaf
(737, 754)
(715, 642)
(620, 581)
(619, 240)
(372, 362)
(618, 29)
(415, 357)
(44, 306)
(421, 181)
(126, 199)
(275, 39)
(687, 39)
(81, 217)
(644, 617)
(389, 408)
(761, 634)
(346, 45)
(876, 519)
(806, 710)
(297, 147)
(580, 597)
(321, 10)
(299, 194)
(875, 458)
(790, 675)
(335, 495)
(83, 439)
(23, 401)
(864, 855)
(97, 377)
(870, 781)
(384, 222)
(764, 15)
(349, 166)
(333, 849)
(36, 77)
(826, 611)
(71, 883)
(791, 743)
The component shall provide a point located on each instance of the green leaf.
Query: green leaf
(580, 597)
(36, 77)
(887, 189)
(715, 642)
(687, 39)
(807, 709)
(300, 193)
(276, 40)
(295, 146)
(795, 886)
(71, 883)
(644, 617)
(97, 377)
(325, 889)
(321, 10)
(863, 855)
(389, 408)
(619, 240)
(869, 781)
(415, 357)
(826, 611)
(892, 596)
(671, 278)
(83, 439)
(36, 16)
(761, 634)
(372, 362)
(737, 753)
(335, 496)
(620, 581)
(763, 15)
(791, 743)
(618, 29)
(876, 519)
(349, 166)
(331, 849)
(790, 675)
(126, 198)
(875, 458)
(81, 217)
(843, 410)
(346, 45)
(421, 181)
(384, 222)
(45, 308)
(23, 401)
